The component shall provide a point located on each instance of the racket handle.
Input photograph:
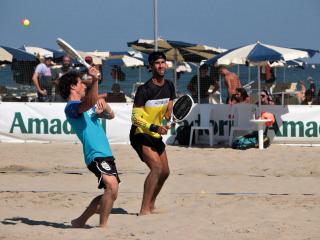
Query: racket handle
(88, 66)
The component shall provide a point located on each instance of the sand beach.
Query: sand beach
(212, 193)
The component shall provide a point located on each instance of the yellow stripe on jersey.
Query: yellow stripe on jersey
(152, 112)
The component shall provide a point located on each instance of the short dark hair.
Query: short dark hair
(204, 67)
(65, 82)
(154, 56)
(243, 93)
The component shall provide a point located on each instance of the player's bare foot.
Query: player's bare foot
(144, 212)
(76, 223)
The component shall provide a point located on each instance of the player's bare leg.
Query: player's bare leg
(154, 180)
(101, 205)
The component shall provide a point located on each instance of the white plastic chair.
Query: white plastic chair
(242, 113)
(205, 118)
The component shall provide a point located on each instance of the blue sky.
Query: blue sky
(107, 25)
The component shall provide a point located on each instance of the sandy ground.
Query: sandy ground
(212, 193)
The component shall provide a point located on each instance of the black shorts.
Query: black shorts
(156, 144)
(103, 165)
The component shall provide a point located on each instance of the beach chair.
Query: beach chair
(242, 114)
(286, 92)
(205, 124)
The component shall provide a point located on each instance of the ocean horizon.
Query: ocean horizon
(141, 74)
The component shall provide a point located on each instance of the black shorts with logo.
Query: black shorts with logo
(103, 165)
(137, 140)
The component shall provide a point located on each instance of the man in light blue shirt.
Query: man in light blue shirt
(82, 112)
(43, 80)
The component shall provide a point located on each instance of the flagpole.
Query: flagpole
(155, 23)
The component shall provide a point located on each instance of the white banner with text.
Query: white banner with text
(46, 122)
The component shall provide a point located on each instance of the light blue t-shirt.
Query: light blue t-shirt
(89, 130)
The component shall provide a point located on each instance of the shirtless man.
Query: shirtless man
(231, 81)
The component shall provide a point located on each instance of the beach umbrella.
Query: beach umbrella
(122, 60)
(96, 60)
(116, 60)
(8, 54)
(258, 54)
(22, 64)
(39, 52)
(177, 50)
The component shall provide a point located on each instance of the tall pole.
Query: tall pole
(155, 23)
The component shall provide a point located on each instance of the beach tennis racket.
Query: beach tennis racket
(72, 52)
(181, 109)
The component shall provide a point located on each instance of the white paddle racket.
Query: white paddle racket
(72, 53)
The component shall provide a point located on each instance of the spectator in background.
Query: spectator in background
(43, 79)
(312, 86)
(66, 66)
(308, 99)
(267, 74)
(117, 74)
(301, 95)
(265, 98)
(231, 81)
(116, 95)
(205, 83)
(241, 96)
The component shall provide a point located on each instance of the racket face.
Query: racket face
(182, 107)
(71, 51)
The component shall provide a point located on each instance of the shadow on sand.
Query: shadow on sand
(64, 225)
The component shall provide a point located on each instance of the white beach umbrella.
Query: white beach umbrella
(123, 60)
(39, 52)
(257, 54)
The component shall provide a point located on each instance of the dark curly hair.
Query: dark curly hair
(65, 82)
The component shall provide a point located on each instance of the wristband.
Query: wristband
(154, 128)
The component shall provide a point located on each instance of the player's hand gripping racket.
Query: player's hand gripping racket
(72, 53)
(181, 109)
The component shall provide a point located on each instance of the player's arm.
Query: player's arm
(168, 113)
(173, 96)
(138, 120)
(92, 96)
(35, 79)
(104, 110)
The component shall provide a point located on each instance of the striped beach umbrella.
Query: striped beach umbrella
(258, 54)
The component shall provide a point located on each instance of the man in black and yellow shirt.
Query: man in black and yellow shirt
(153, 102)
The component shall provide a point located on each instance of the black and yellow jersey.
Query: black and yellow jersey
(151, 102)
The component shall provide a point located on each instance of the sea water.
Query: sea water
(142, 74)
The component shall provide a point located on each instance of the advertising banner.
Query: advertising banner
(46, 122)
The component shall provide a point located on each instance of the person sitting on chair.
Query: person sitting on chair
(241, 96)
(116, 95)
(265, 98)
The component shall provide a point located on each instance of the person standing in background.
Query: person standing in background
(43, 79)
(231, 81)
